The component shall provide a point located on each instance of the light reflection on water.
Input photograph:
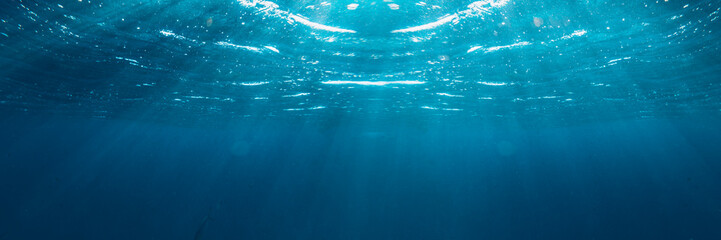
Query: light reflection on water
(486, 58)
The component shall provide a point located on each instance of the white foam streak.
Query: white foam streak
(449, 95)
(619, 59)
(297, 95)
(428, 25)
(272, 49)
(576, 33)
(317, 107)
(319, 26)
(498, 3)
(473, 49)
(474, 9)
(493, 83)
(253, 83)
(373, 83)
(270, 9)
(227, 44)
(496, 48)
(168, 33)
(128, 59)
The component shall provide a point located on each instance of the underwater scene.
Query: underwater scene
(360, 119)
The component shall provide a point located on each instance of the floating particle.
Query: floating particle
(537, 21)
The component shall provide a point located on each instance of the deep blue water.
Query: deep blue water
(239, 119)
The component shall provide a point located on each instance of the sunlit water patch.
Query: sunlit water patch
(513, 60)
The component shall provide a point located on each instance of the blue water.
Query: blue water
(241, 119)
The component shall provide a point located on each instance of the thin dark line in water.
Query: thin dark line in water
(201, 229)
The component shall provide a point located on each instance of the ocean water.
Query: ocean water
(392, 119)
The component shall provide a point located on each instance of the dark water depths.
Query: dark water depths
(114, 179)
(393, 119)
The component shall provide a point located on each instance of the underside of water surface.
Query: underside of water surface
(214, 61)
